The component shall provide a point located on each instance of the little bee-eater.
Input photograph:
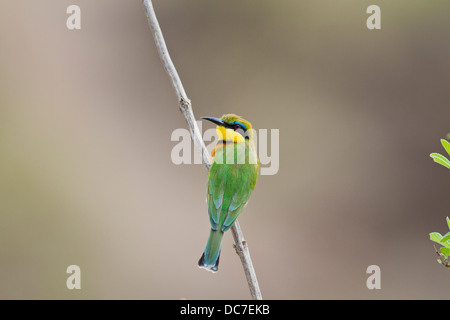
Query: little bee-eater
(231, 180)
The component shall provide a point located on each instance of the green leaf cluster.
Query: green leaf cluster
(444, 241)
(439, 158)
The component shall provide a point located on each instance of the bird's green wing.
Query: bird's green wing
(239, 194)
(229, 188)
(216, 190)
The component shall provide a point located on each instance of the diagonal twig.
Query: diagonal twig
(186, 108)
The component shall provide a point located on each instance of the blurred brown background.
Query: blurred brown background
(86, 176)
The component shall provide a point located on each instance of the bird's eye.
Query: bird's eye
(237, 126)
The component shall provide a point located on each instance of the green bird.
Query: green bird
(231, 180)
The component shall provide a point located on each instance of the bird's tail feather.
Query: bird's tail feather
(210, 257)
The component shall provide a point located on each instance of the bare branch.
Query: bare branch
(186, 109)
(183, 100)
(243, 252)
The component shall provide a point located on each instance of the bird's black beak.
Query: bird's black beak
(219, 122)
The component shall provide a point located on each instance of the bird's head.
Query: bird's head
(231, 127)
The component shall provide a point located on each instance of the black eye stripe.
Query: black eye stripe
(237, 125)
